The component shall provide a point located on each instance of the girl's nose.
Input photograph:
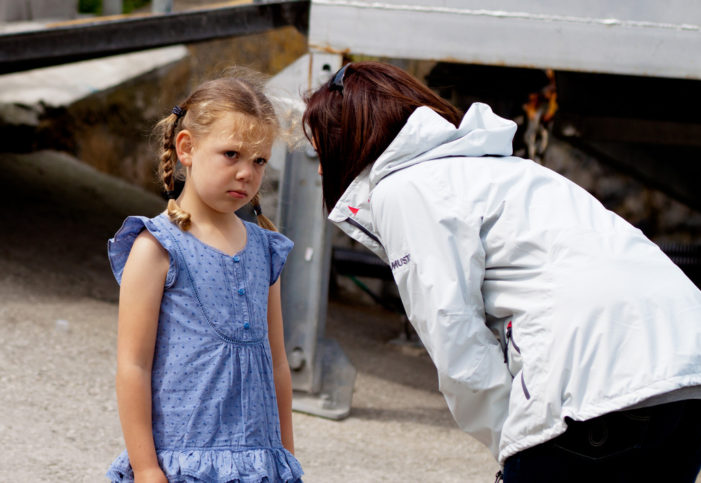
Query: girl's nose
(244, 172)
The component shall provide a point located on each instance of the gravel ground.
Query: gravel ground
(58, 312)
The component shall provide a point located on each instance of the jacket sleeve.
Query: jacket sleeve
(437, 259)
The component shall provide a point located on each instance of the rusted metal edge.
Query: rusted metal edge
(74, 42)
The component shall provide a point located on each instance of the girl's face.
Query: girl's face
(225, 167)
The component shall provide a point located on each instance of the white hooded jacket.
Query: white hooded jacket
(600, 318)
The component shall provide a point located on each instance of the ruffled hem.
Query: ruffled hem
(270, 465)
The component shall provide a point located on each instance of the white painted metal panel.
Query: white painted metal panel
(634, 37)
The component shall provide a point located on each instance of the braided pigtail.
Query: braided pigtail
(262, 220)
(178, 216)
(168, 166)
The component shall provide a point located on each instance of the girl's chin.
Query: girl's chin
(230, 206)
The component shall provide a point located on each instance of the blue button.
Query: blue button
(246, 325)
(241, 291)
(237, 258)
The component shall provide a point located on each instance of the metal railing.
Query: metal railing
(81, 40)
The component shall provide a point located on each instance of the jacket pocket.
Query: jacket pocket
(512, 352)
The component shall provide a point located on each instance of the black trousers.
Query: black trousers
(655, 444)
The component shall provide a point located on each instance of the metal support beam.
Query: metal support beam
(80, 41)
(629, 130)
(322, 376)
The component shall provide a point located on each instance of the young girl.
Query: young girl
(203, 383)
(592, 369)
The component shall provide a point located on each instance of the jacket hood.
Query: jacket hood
(426, 136)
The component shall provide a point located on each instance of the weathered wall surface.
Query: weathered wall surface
(660, 216)
(111, 129)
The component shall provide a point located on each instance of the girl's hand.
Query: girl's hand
(150, 475)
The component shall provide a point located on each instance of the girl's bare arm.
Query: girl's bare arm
(140, 296)
(281, 369)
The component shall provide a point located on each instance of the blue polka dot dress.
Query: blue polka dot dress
(214, 409)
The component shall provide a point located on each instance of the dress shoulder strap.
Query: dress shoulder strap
(119, 246)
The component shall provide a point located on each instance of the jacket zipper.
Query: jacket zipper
(510, 337)
(364, 230)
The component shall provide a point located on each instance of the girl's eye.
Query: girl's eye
(261, 161)
(231, 154)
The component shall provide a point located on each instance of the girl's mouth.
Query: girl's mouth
(237, 194)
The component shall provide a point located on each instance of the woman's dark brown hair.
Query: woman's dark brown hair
(352, 121)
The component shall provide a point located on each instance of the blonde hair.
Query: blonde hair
(240, 91)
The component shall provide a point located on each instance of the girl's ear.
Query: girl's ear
(184, 147)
